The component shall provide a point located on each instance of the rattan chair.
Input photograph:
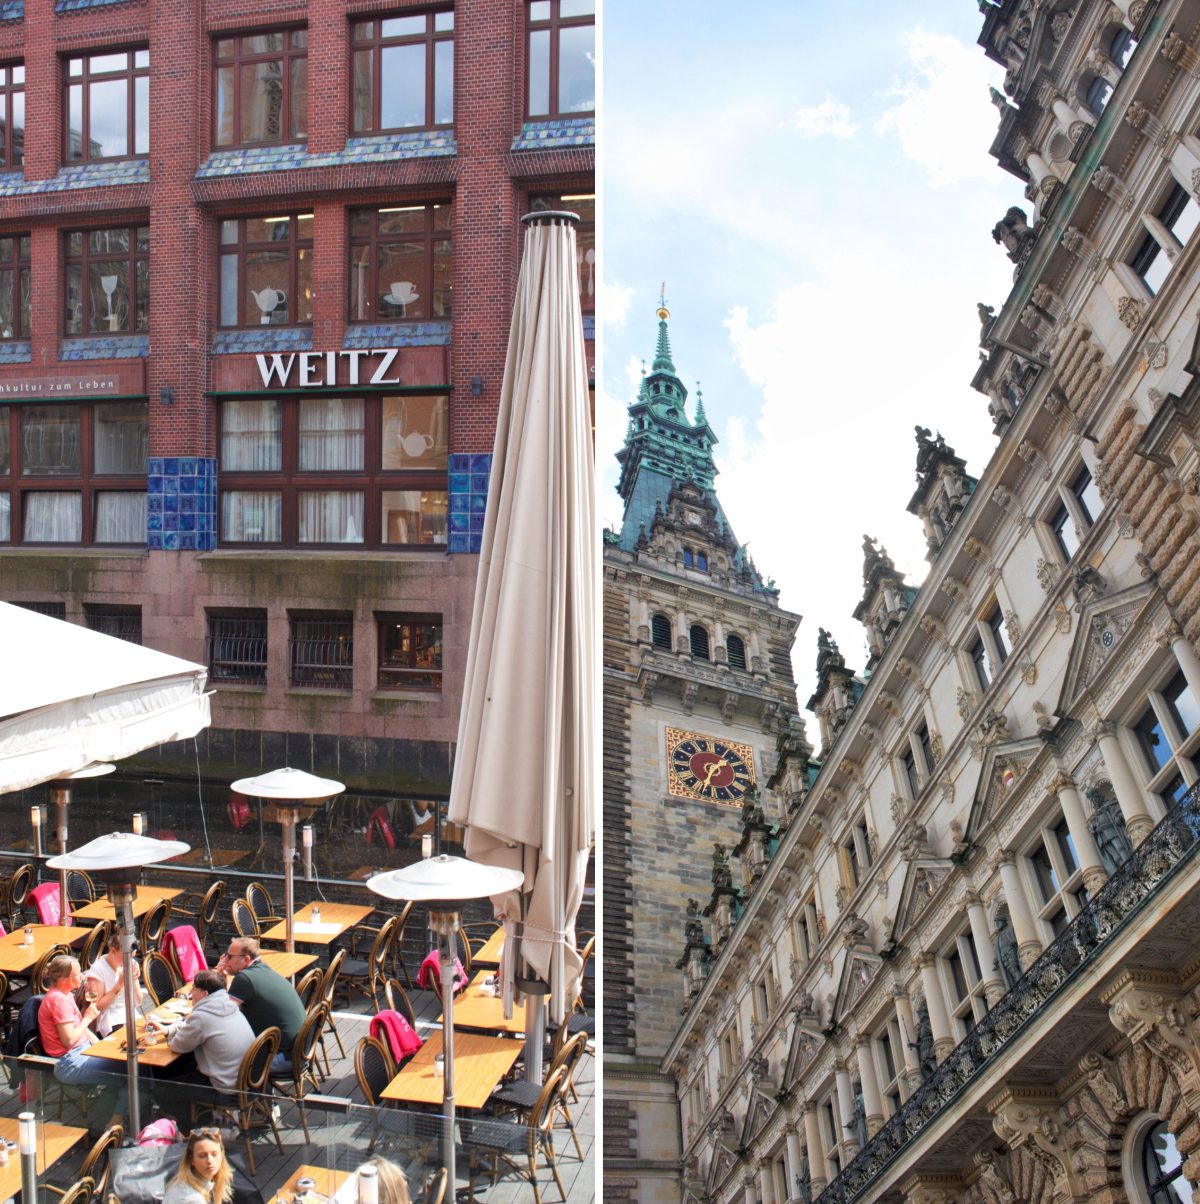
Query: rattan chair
(253, 1094)
(81, 890)
(396, 997)
(374, 1069)
(153, 925)
(367, 977)
(94, 945)
(262, 904)
(435, 1189)
(159, 977)
(95, 1166)
(303, 1073)
(244, 919)
(203, 910)
(19, 886)
(329, 984)
(79, 1192)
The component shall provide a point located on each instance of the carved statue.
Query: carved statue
(693, 927)
(1007, 961)
(1108, 827)
(1012, 232)
(858, 1123)
(924, 1042)
(722, 879)
(804, 1181)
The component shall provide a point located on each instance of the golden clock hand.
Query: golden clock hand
(713, 766)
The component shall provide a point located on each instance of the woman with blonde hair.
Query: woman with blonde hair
(393, 1185)
(204, 1175)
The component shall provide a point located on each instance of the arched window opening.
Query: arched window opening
(735, 649)
(1121, 47)
(687, 558)
(1162, 1168)
(1098, 93)
(699, 642)
(702, 562)
(660, 632)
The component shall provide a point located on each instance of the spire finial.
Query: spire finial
(662, 311)
(701, 418)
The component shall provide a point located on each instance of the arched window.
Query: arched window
(735, 649)
(1099, 90)
(702, 562)
(660, 632)
(699, 642)
(1121, 47)
(687, 558)
(1162, 1167)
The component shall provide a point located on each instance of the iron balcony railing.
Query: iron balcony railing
(1157, 860)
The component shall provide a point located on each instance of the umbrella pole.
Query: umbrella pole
(60, 796)
(445, 925)
(287, 817)
(121, 896)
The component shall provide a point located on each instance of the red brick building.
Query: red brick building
(257, 262)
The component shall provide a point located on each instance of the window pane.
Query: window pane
(263, 43)
(141, 115)
(401, 276)
(74, 299)
(121, 437)
(443, 286)
(108, 296)
(5, 518)
(100, 64)
(576, 69)
(364, 65)
(1153, 740)
(304, 284)
(121, 518)
(53, 518)
(1088, 495)
(251, 436)
(142, 297)
(262, 102)
(576, 8)
(224, 104)
(108, 118)
(250, 517)
(267, 283)
(414, 432)
(1064, 532)
(335, 516)
(18, 129)
(299, 113)
(539, 71)
(75, 121)
(1046, 877)
(443, 83)
(331, 436)
(414, 516)
(5, 450)
(7, 319)
(50, 441)
(229, 290)
(402, 87)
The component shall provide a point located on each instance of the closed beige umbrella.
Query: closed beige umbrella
(525, 760)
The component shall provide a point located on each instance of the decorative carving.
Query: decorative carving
(1105, 1082)
(1047, 574)
(1029, 673)
(1062, 619)
(965, 701)
(977, 550)
(953, 588)
(933, 628)
(1012, 625)
(1129, 310)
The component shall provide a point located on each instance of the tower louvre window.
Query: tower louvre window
(660, 632)
(735, 649)
(698, 638)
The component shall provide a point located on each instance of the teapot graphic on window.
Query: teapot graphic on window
(268, 300)
(416, 444)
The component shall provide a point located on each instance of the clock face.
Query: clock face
(708, 768)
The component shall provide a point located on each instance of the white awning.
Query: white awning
(70, 696)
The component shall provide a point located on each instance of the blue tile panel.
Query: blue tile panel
(12, 10)
(469, 475)
(398, 334)
(18, 352)
(386, 148)
(257, 339)
(564, 131)
(70, 6)
(181, 503)
(81, 175)
(589, 326)
(117, 347)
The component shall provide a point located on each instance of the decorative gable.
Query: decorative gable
(807, 1040)
(758, 1114)
(719, 1168)
(924, 879)
(1002, 779)
(1107, 623)
(858, 970)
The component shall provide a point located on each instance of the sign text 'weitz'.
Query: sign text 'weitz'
(317, 368)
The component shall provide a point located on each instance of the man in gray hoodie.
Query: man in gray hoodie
(215, 1031)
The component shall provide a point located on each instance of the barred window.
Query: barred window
(123, 622)
(237, 646)
(321, 650)
(410, 652)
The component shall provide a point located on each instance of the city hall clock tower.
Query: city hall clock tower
(699, 706)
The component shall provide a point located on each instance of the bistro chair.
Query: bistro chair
(203, 910)
(329, 984)
(154, 924)
(435, 1189)
(521, 1095)
(94, 944)
(19, 886)
(79, 1192)
(374, 1068)
(396, 997)
(252, 1098)
(294, 1082)
(367, 977)
(262, 904)
(95, 1166)
(13, 1000)
(244, 919)
(81, 890)
(506, 1142)
(309, 987)
(159, 976)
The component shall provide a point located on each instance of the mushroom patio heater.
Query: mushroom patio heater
(117, 861)
(444, 884)
(60, 796)
(292, 791)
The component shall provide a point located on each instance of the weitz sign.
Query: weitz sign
(313, 369)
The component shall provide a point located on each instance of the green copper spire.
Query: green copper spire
(662, 353)
(701, 420)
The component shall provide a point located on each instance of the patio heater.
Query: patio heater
(292, 791)
(444, 884)
(37, 816)
(117, 861)
(60, 796)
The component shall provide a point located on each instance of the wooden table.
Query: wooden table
(53, 1142)
(287, 964)
(113, 1046)
(479, 1064)
(146, 898)
(16, 957)
(489, 955)
(220, 858)
(327, 1183)
(336, 919)
(472, 1009)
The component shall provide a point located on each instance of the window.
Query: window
(698, 638)
(1058, 876)
(73, 474)
(108, 280)
(365, 472)
(237, 646)
(403, 72)
(1162, 1168)
(735, 650)
(52, 610)
(856, 854)
(827, 1123)
(908, 767)
(583, 204)
(1098, 93)
(660, 632)
(924, 748)
(108, 106)
(889, 1049)
(1000, 646)
(963, 978)
(321, 650)
(266, 270)
(1168, 231)
(562, 57)
(1063, 529)
(123, 622)
(12, 117)
(14, 287)
(978, 660)
(410, 652)
(400, 263)
(1168, 732)
(260, 88)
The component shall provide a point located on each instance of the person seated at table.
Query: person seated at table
(265, 996)
(105, 979)
(215, 1031)
(65, 1035)
(391, 1181)
(204, 1175)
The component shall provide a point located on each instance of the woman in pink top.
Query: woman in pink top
(65, 1035)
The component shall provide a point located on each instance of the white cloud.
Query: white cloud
(941, 114)
(613, 304)
(830, 117)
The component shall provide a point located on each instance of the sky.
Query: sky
(812, 183)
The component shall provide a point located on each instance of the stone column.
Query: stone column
(993, 984)
(872, 1100)
(848, 1137)
(766, 1183)
(794, 1156)
(818, 1172)
(1185, 654)
(719, 653)
(935, 1001)
(1090, 863)
(908, 1035)
(1028, 943)
(749, 1194)
(643, 621)
(683, 639)
(1130, 796)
